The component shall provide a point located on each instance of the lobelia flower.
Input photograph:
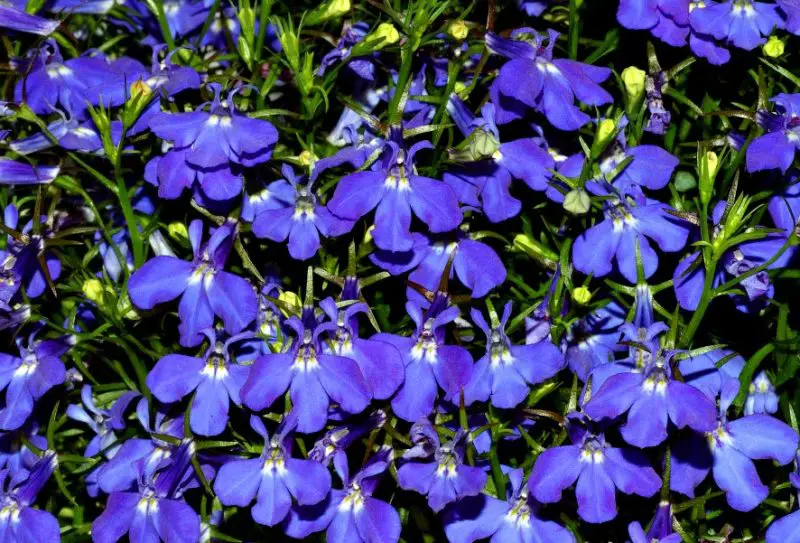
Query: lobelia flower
(742, 23)
(394, 189)
(630, 219)
(533, 79)
(728, 451)
(331, 447)
(787, 529)
(660, 530)
(314, 379)
(214, 379)
(533, 8)
(443, 477)
(351, 515)
(301, 218)
(429, 363)
(380, 362)
(791, 10)
(598, 468)
(475, 264)
(506, 372)
(659, 119)
(274, 478)
(13, 172)
(17, 20)
(651, 398)
(593, 340)
(15, 455)
(27, 377)
(485, 181)
(19, 521)
(712, 371)
(513, 520)
(156, 511)
(776, 148)
(204, 287)
(761, 397)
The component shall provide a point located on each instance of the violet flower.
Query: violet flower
(19, 521)
(776, 148)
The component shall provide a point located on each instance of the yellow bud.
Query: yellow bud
(290, 299)
(581, 296)
(140, 88)
(458, 30)
(712, 161)
(634, 79)
(368, 235)
(385, 34)
(178, 231)
(337, 8)
(306, 158)
(774, 47)
(606, 129)
(94, 290)
(460, 88)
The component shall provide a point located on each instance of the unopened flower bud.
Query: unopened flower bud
(774, 47)
(94, 290)
(581, 296)
(577, 201)
(634, 80)
(178, 231)
(458, 30)
(385, 34)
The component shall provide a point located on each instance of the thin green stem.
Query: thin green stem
(162, 22)
(127, 208)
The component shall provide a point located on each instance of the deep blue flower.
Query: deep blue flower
(742, 23)
(776, 148)
(438, 471)
(351, 515)
(430, 364)
(506, 372)
(204, 287)
(515, 519)
(599, 469)
(17, 20)
(593, 340)
(787, 529)
(301, 219)
(533, 79)
(394, 189)
(274, 478)
(14, 172)
(761, 397)
(19, 521)
(314, 379)
(660, 530)
(332, 446)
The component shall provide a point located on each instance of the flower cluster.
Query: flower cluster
(393, 271)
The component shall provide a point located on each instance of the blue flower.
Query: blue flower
(506, 372)
(314, 379)
(593, 340)
(515, 519)
(443, 477)
(17, 20)
(332, 446)
(274, 478)
(599, 470)
(204, 287)
(761, 397)
(776, 148)
(301, 219)
(742, 23)
(19, 521)
(13, 172)
(533, 79)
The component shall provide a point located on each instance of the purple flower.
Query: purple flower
(17, 20)
(214, 379)
(506, 372)
(533, 79)
(430, 364)
(443, 477)
(351, 515)
(204, 287)
(791, 10)
(19, 521)
(314, 379)
(485, 183)
(593, 340)
(274, 478)
(651, 398)
(654, 535)
(27, 377)
(599, 470)
(776, 148)
(761, 397)
(301, 218)
(13, 172)
(786, 529)
(629, 220)
(742, 23)
(156, 511)
(332, 446)
(395, 189)
(515, 519)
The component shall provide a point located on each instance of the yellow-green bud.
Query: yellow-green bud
(458, 30)
(290, 299)
(306, 158)
(581, 296)
(94, 290)
(385, 34)
(606, 129)
(707, 171)
(328, 10)
(140, 88)
(634, 80)
(535, 250)
(178, 231)
(577, 201)
(774, 47)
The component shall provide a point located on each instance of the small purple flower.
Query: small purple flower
(204, 287)
(19, 521)
(593, 340)
(301, 219)
(776, 148)
(506, 372)
(430, 364)
(27, 377)
(314, 379)
(533, 79)
(395, 189)
(742, 23)
(761, 397)
(274, 478)
(17, 20)
(651, 398)
(351, 515)
(786, 529)
(214, 378)
(443, 477)
(332, 446)
(13, 172)
(515, 519)
(156, 511)
(599, 470)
